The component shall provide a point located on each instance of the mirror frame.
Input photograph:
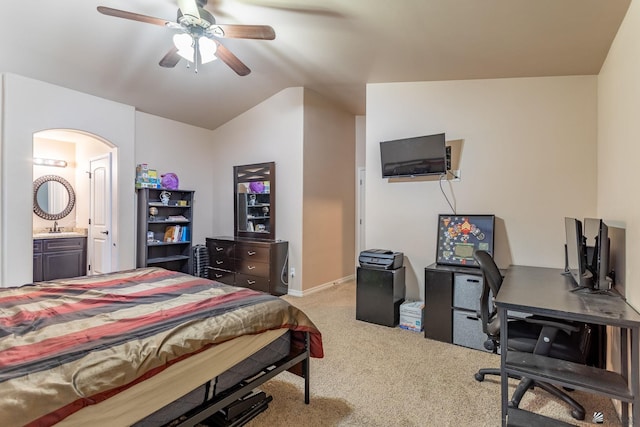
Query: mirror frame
(252, 173)
(46, 215)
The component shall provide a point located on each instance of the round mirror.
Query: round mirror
(53, 197)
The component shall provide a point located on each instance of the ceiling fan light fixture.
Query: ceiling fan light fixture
(208, 49)
(184, 43)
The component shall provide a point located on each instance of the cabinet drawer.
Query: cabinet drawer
(467, 330)
(53, 245)
(37, 246)
(252, 268)
(252, 282)
(252, 252)
(467, 289)
(223, 276)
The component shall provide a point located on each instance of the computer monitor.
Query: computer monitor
(596, 235)
(576, 257)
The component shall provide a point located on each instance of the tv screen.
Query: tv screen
(459, 236)
(421, 155)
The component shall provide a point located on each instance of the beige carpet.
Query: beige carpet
(375, 375)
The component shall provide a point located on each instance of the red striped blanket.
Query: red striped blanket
(72, 343)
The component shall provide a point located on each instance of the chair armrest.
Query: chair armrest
(568, 327)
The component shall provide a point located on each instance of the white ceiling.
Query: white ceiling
(334, 47)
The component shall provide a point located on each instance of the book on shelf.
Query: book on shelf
(172, 233)
(177, 233)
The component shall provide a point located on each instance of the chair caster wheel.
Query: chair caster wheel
(578, 415)
(479, 377)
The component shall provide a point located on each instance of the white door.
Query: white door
(360, 238)
(99, 239)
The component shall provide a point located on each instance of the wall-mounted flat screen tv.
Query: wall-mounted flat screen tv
(421, 155)
(459, 236)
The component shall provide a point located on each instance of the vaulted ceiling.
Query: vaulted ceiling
(334, 47)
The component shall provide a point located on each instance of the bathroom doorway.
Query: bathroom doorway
(82, 153)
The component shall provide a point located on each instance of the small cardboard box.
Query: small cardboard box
(411, 315)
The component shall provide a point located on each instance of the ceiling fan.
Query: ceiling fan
(198, 34)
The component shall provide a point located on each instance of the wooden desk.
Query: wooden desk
(546, 292)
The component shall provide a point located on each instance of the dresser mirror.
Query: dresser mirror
(53, 197)
(255, 197)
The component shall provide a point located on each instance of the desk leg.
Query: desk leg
(635, 381)
(624, 372)
(504, 378)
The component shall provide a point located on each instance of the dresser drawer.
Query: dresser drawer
(252, 252)
(223, 263)
(249, 266)
(223, 276)
(220, 248)
(252, 282)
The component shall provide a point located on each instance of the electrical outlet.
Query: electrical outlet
(293, 272)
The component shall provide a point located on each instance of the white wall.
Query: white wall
(618, 148)
(270, 131)
(30, 106)
(329, 198)
(170, 146)
(528, 156)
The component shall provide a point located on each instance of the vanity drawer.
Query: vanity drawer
(252, 252)
(260, 269)
(253, 282)
(37, 246)
(65, 244)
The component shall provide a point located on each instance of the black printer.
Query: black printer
(381, 258)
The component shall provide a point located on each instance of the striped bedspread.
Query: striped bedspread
(71, 343)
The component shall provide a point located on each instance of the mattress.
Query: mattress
(137, 402)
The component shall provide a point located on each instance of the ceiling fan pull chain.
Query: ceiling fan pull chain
(196, 50)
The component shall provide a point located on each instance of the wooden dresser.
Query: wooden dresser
(251, 263)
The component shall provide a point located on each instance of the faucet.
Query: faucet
(55, 227)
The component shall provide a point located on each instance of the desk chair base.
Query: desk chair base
(577, 411)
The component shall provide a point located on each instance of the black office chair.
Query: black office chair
(534, 334)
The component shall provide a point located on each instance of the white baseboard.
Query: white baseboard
(306, 292)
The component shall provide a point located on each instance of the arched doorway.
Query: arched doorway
(88, 163)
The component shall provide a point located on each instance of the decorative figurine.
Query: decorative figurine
(165, 196)
(153, 211)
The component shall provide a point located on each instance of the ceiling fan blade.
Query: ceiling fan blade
(171, 58)
(231, 60)
(133, 16)
(232, 31)
(189, 7)
(293, 6)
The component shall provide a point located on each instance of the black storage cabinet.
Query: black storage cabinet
(379, 294)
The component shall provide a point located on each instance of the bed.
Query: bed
(120, 348)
